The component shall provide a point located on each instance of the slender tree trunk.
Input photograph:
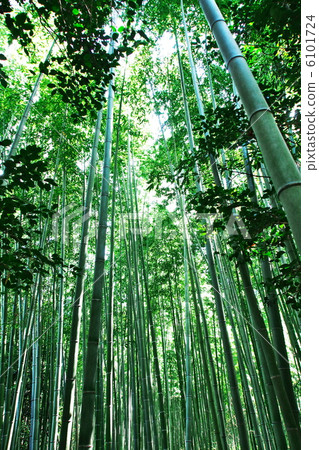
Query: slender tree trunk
(209, 369)
(220, 313)
(59, 344)
(262, 336)
(273, 310)
(36, 378)
(68, 408)
(138, 311)
(88, 394)
(14, 146)
(109, 321)
(188, 425)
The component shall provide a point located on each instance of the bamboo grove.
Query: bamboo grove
(150, 225)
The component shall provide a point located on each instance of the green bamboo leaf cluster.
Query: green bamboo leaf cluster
(149, 257)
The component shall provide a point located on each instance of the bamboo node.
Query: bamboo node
(264, 108)
(215, 21)
(234, 57)
(288, 185)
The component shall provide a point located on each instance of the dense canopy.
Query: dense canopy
(150, 233)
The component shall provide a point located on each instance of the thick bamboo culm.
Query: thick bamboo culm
(280, 164)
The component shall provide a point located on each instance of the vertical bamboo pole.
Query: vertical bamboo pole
(242, 428)
(280, 164)
(88, 393)
(25, 115)
(59, 343)
(68, 407)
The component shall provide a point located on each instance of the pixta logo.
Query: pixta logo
(141, 224)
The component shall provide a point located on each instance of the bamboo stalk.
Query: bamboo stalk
(88, 393)
(59, 343)
(68, 407)
(279, 162)
(24, 118)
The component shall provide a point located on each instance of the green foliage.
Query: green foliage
(20, 228)
(21, 28)
(3, 75)
(222, 127)
(82, 70)
(72, 88)
(288, 281)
